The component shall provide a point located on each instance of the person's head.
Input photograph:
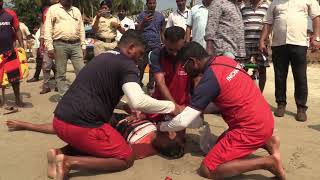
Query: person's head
(132, 44)
(66, 3)
(122, 11)
(206, 2)
(174, 39)
(193, 57)
(106, 5)
(181, 4)
(151, 5)
(52, 2)
(170, 144)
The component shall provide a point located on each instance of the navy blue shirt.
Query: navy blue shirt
(97, 90)
(9, 23)
(152, 29)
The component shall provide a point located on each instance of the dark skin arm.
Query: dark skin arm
(161, 85)
(264, 36)
(19, 37)
(163, 28)
(188, 34)
(316, 33)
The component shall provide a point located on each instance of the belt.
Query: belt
(107, 40)
(69, 41)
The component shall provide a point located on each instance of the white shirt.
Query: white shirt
(37, 39)
(290, 20)
(178, 18)
(126, 23)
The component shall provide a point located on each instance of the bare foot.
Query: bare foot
(51, 169)
(62, 168)
(273, 145)
(276, 167)
(14, 125)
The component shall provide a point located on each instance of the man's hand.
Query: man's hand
(178, 109)
(51, 54)
(148, 18)
(100, 13)
(315, 45)
(263, 47)
(115, 25)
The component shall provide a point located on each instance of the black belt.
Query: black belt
(107, 40)
(69, 41)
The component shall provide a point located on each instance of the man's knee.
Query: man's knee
(204, 171)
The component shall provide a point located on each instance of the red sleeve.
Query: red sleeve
(15, 20)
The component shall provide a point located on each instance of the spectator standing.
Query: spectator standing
(152, 24)
(9, 28)
(197, 22)
(180, 16)
(64, 37)
(289, 22)
(253, 12)
(126, 23)
(225, 29)
(105, 26)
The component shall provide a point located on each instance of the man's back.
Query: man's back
(240, 100)
(8, 24)
(96, 91)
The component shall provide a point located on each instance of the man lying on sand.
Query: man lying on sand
(142, 135)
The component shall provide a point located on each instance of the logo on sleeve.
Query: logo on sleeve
(233, 73)
(5, 23)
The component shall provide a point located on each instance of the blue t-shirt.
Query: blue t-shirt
(152, 29)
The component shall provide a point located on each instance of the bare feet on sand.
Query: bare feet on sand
(276, 167)
(62, 169)
(51, 169)
(273, 148)
(14, 125)
(273, 145)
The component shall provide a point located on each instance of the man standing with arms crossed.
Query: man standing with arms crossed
(65, 39)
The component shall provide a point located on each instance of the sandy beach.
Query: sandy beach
(23, 154)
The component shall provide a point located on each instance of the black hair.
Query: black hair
(106, 2)
(148, 1)
(192, 49)
(173, 150)
(122, 7)
(132, 36)
(174, 33)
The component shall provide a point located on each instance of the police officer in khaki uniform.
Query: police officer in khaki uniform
(105, 27)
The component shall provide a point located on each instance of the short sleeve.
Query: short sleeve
(140, 18)
(129, 72)
(269, 18)
(189, 19)
(15, 19)
(131, 24)
(169, 22)
(314, 8)
(207, 90)
(155, 61)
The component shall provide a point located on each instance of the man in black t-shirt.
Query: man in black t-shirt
(82, 117)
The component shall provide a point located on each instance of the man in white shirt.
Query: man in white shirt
(126, 23)
(180, 16)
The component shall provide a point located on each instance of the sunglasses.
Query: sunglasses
(184, 65)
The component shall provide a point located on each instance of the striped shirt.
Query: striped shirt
(253, 21)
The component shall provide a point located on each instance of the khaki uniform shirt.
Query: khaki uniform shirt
(290, 20)
(105, 30)
(64, 25)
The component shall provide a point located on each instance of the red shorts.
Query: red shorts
(102, 141)
(232, 145)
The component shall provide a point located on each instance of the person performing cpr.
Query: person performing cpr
(243, 108)
(82, 117)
